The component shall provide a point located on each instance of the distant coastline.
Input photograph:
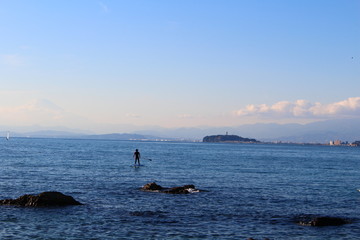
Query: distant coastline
(140, 137)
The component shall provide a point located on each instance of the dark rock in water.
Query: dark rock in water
(255, 239)
(180, 190)
(175, 190)
(152, 187)
(325, 221)
(45, 199)
(328, 221)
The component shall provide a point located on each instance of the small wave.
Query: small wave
(192, 190)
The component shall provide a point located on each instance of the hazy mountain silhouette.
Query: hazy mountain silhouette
(324, 131)
(319, 132)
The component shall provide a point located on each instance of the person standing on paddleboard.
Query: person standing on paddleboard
(137, 156)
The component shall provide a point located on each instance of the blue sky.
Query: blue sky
(106, 65)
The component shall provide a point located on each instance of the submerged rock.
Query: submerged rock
(324, 221)
(255, 239)
(148, 213)
(175, 190)
(45, 199)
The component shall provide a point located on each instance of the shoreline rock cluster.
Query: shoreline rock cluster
(57, 199)
(45, 199)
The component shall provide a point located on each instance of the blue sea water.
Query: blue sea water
(253, 190)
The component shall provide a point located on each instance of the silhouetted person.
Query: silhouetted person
(137, 157)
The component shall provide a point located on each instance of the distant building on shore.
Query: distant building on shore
(335, 143)
(340, 143)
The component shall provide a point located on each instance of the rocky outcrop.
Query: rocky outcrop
(153, 187)
(181, 190)
(45, 199)
(324, 221)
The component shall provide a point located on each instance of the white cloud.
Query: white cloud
(349, 106)
(303, 109)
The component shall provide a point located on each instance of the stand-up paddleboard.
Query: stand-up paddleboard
(136, 165)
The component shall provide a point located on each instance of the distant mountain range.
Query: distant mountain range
(124, 136)
(317, 132)
(64, 134)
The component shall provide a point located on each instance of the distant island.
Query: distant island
(228, 138)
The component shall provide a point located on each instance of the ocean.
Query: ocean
(252, 190)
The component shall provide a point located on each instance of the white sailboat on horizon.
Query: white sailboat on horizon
(8, 136)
